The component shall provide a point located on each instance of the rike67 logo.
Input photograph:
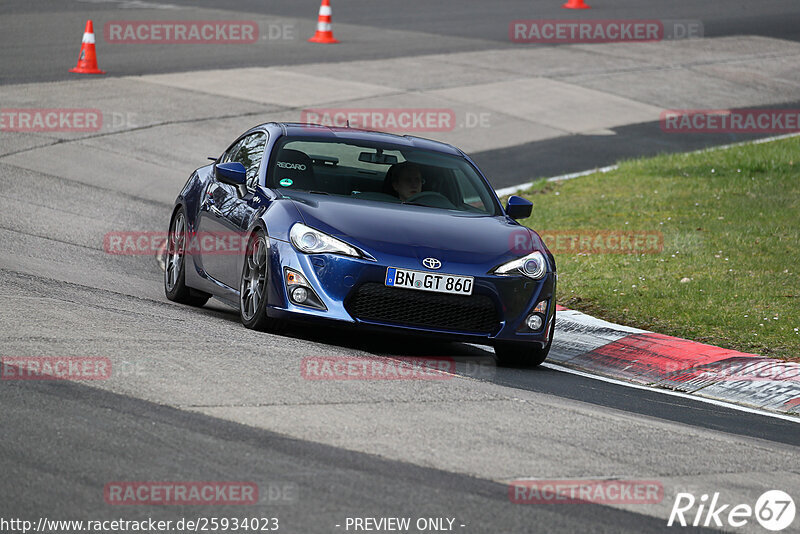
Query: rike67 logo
(774, 510)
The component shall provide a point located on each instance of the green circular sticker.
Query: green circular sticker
(286, 182)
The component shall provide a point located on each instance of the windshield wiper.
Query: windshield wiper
(319, 193)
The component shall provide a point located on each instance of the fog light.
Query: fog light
(299, 291)
(534, 322)
(300, 294)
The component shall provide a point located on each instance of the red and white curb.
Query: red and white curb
(636, 356)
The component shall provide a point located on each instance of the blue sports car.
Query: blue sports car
(366, 229)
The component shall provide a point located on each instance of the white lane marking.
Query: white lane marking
(521, 187)
(556, 367)
(133, 4)
(753, 142)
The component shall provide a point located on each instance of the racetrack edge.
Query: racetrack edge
(646, 358)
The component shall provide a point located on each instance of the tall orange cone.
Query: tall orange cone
(87, 61)
(324, 32)
(576, 4)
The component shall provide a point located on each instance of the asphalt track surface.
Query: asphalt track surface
(198, 397)
(444, 26)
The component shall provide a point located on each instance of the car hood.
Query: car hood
(384, 228)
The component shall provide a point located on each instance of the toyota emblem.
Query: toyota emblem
(431, 263)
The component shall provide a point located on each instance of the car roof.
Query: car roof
(298, 129)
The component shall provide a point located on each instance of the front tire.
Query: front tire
(175, 265)
(253, 285)
(522, 355)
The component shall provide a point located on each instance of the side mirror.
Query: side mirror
(518, 207)
(232, 173)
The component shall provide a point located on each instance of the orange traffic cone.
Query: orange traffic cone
(576, 4)
(87, 61)
(324, 32)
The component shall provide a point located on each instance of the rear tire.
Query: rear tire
(523, 355)
(175, 265)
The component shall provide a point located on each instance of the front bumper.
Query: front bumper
(354, 293)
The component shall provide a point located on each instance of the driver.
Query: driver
(406, 180)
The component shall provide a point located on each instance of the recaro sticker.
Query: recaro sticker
(296, 166)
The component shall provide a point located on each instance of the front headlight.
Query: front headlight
(534, 265)
(306, 239)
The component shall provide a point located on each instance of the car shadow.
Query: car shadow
(468, 360)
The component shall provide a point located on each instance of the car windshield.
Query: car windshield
(380, 172)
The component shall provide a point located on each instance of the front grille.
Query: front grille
(377, 302)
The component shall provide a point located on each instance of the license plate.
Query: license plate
(427, 281)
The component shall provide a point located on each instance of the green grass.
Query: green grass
(730, 221)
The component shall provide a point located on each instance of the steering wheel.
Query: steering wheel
(432, 199)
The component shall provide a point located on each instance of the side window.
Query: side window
(249, 154)
(226, 157)
(469, 194)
